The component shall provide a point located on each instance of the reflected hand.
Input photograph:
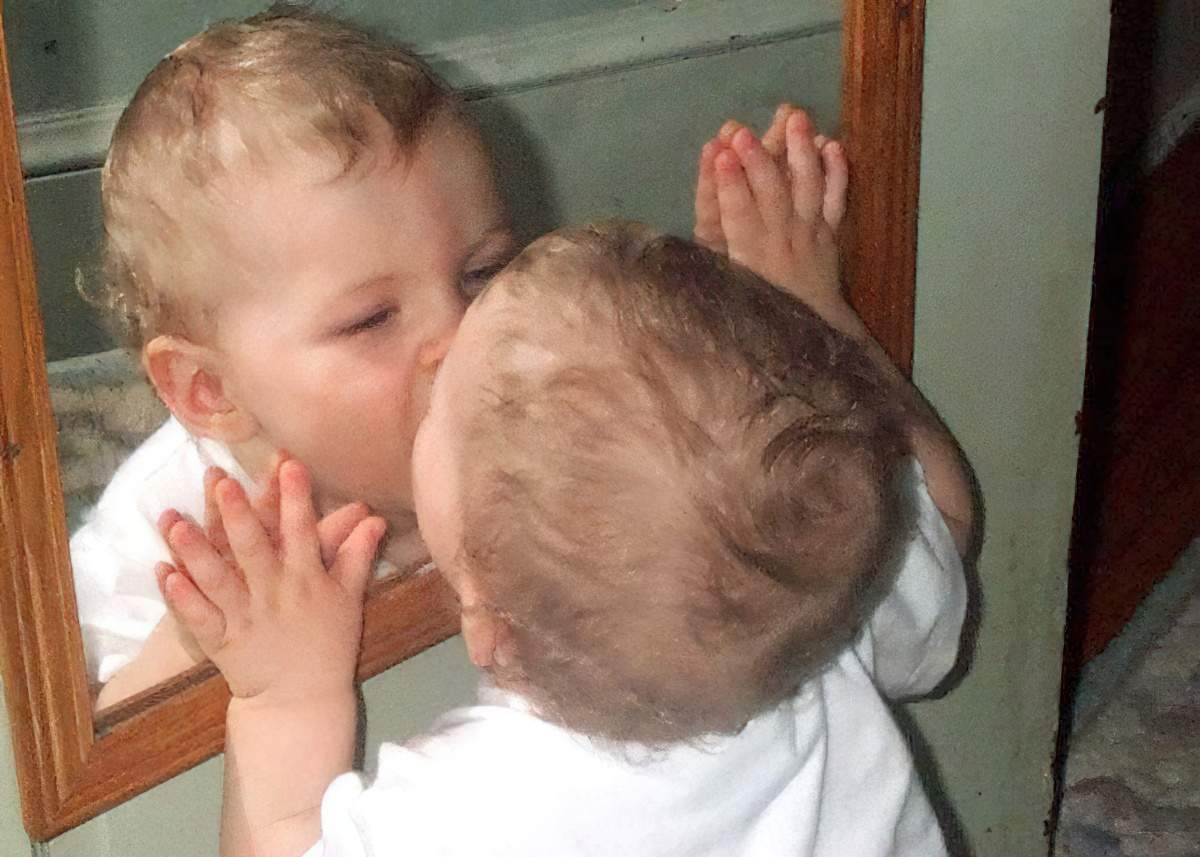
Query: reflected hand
(332, 529)
(775, 205)
(278, 625)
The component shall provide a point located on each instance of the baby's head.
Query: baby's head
(671, 486)
(296, 215)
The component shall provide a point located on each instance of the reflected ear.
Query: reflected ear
(189, 380)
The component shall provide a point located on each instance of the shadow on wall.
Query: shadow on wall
(519, 165)
(928, 769)
(957, 842)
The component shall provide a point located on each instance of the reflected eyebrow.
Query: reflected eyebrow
(500, 229)
(369, 282)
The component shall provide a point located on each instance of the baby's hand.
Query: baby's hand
(775, 205)
(277, 624)
(332, 530)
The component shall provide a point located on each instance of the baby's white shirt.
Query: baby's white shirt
(827, 773)
(114, 552)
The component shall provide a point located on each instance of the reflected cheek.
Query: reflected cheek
(381, 411)
(420, 471)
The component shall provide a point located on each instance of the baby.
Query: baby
(296, 216)
(694, 552)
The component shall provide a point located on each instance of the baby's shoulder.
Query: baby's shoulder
(166, 471)
(162, 456)
(910, 641)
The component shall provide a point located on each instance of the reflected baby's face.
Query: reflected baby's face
(462, 381)
(437, 449)
(349, 291)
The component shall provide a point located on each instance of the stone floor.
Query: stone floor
(1132, 779)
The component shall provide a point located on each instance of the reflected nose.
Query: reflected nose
(433, 351)
(445, 315)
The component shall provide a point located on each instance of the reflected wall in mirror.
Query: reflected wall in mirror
(606, 118)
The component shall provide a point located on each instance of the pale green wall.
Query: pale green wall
(1010, 161)
(12, 835)
(1008, 191)
(80, 52)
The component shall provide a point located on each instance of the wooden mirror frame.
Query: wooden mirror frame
(71, 767)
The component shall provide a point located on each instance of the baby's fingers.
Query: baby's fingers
(198, 615)
(726, 132)
(336, 527)
(266, 504)
(298, 520)
(740, 218)
(708, 209)
(767, 183)
(837, 178)
(774, 141)
(213, 526)
(804, 161)
(207, 570)
(355, 558)
(249, 542)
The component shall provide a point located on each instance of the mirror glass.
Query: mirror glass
(604, 119)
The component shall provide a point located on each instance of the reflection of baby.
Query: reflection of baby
(693, 552)
(296, 216)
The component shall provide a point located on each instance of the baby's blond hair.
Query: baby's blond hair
(682, 491)
(288, 83)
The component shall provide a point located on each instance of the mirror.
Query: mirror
(606, 117)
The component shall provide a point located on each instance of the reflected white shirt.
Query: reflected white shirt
(114, 552)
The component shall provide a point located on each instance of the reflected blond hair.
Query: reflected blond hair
(682, 490)
(286, 84)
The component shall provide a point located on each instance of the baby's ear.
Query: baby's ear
(188, 379)
(488, 637)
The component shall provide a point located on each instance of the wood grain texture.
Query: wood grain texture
(43, 656)
(883, 52)
(70, 770)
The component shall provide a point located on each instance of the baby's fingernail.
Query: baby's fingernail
(728, 161)
(178, 531)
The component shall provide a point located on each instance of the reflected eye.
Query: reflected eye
(376, 319)
(474, 282)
